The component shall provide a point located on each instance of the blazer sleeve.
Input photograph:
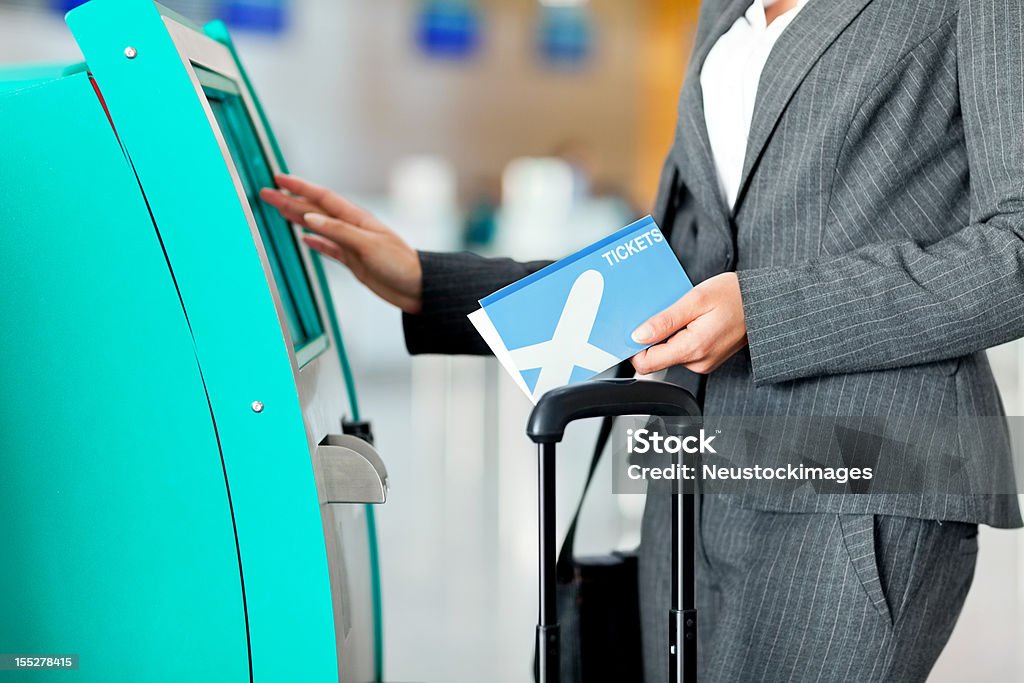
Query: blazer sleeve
(896, 304)
(453, 285)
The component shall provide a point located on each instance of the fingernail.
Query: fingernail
(642, 334)
(316, 219)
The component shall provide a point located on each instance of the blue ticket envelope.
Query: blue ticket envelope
(573, 319)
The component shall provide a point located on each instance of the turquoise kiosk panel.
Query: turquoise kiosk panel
(174, 504)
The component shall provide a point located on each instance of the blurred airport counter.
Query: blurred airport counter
(496, 148)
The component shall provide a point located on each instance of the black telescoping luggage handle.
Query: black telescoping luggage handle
(605, 398)
(609, 398)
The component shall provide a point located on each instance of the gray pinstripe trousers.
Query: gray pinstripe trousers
(807, 596)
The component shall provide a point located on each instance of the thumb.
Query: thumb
(671, 320)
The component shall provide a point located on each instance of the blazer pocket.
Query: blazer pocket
(969, 541)
(859, 539)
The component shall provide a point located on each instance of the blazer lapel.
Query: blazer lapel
(799, 47)
(696, 162)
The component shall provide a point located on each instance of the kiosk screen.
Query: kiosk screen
(278, 237)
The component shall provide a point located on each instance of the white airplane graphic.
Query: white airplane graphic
(570, 345)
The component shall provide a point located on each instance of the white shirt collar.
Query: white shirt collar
(756, 17)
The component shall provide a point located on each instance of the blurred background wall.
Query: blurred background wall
(530, 134)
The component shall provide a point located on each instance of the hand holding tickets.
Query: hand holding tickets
(574, 319)
(700, 331)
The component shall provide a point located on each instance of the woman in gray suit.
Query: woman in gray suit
(847, 189)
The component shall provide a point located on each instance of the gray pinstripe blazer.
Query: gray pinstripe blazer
(878, 234)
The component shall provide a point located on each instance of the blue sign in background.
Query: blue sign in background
(565, 36)
(449, 28)
(647, 282)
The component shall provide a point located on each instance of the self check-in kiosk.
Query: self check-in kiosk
(178, 498)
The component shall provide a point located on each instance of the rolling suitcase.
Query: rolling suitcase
(606, 398)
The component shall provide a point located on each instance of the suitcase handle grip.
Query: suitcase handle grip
(604, 398)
